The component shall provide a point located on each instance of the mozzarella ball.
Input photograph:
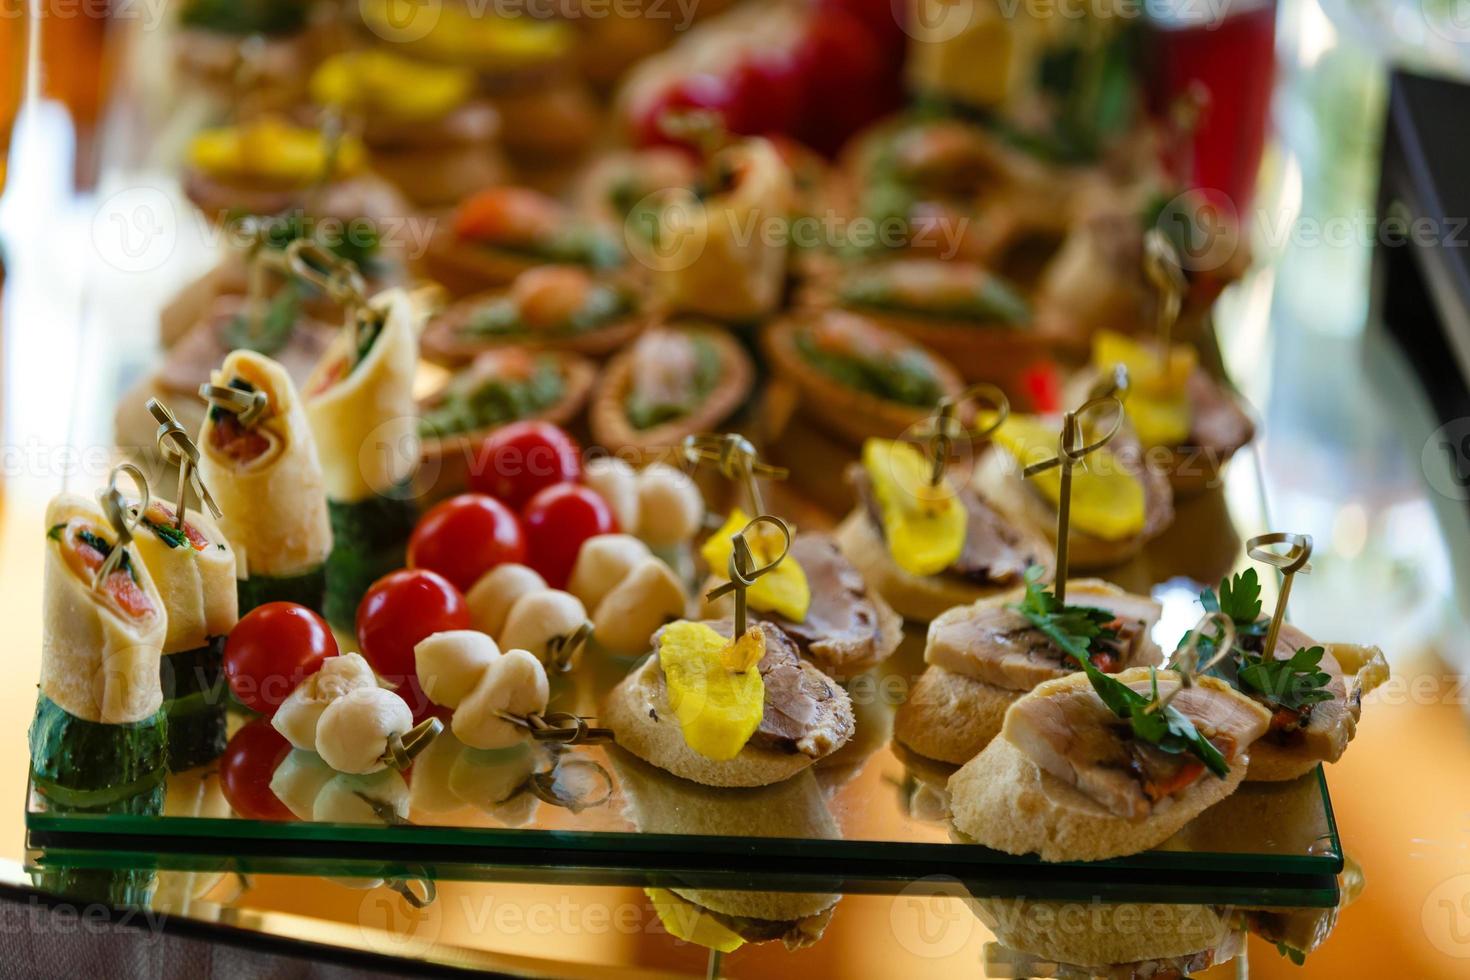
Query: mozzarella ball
(617, 483)
(353, 732)
(341, 799)
(486, 777)
(648, 597)
(489, 600)
(299, 779)
(429, 791)
(538, 618)
(670, 508)
(299, 714)
(515, 684)
(449, 664)
(603, 561)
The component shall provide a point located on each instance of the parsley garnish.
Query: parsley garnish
(104, 547)
(1166, 728)
(1071, 628)
(1293, 684)
(1296, 956)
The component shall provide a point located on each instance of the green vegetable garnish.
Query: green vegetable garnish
(645, 413)
(502, 318)
(904, 377)
(486, 402)
(167, 533)
(1071, 628)
(1293, 684)
(275, 325)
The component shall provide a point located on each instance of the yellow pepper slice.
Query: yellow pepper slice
(924, 525)
(399, 87)
(718, 708)
(1157, 402)
(272, 149)
(445, 32)
(784, 589)
(1107, 501)
(686, 921)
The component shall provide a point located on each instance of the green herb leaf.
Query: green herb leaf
(1072, 628)
(1165, 728)
(1293, 684)
(167, 533)
(1240, 598)
(1296, 956)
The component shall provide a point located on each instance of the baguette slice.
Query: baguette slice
(1101, 935)
(1003, 800)
(951, 717)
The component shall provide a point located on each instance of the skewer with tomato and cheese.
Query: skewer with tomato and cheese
(98, 738)
(262, 466)
(360, 404)
(194, 569)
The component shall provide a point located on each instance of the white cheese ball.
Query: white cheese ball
(617, 483)
(450, 664)
(538, 618)
(489, 600)
(628, 616)
(603, 561)
(486, 777)
(515, 684)
(341, 799)
(353, 732)
(429, 791)
(299, 779)
(670, 508)
(299, 714)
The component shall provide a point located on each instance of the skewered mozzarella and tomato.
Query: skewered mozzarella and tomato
(647, 598)
(496, 592)
(617, 482)
(670, 507)
(354, 730)
(512, 683)
(451, 664)
(603, 562)
(542, 622)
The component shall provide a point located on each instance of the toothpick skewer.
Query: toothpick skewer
(1166, 274)
(1071, 450)
(942, 429)
(736, 459)
(1186, 659)
(122, 517)
(176, 447)
(1294, 559)
(741, 568)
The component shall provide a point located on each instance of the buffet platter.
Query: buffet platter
(501, 510)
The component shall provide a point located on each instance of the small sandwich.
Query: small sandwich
(815, 596)
(928, 548)
(1119, 502)
(671, 383)
(1081, 940)
(1314, 691)
(855, 378)
(1184, 419)
(728, 713)
(725, 919)
(551, 307)
(1098, 766)
(983, 657)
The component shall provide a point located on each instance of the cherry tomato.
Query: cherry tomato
(699, 91)
(271, 650)
(466, 536)
(398, 611)
(849, 80)
(517, 460)
(557, 521)
(245, 770)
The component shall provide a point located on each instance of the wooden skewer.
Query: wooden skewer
(122, 517)
(736, 459)
(1294, 559)
(176, 447)
(942, 429)
(742, 570)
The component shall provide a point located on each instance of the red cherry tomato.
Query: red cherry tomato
(766, 91)
(849, 79)
(557, 521)
(245, 770)
(700, 91)
(519, 459)
(466, 536)
(399, 610)
(271, 650)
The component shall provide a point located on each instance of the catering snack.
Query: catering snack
(982, 658)
(258, 456)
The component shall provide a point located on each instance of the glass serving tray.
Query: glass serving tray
(1267, 844)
